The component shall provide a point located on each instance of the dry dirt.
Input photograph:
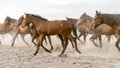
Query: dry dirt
(21, 56)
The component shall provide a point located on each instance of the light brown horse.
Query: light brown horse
(10, 23)
(83, 25)
(3, 30)
(103, 29)
(110, 19)
(47, 28)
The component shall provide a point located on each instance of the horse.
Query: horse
(112, 20)
(10, 23)
(3, 30)
(103, 29)
(48, 28)
(34, 33)
(83, 24)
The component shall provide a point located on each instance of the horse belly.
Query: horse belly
(53, 31)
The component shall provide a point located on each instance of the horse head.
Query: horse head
(98, 19)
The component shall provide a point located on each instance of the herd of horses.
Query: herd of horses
(40, 28)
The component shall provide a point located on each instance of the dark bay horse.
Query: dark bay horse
(47, 28)
(112, 20)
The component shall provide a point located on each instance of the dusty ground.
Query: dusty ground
(21, 56)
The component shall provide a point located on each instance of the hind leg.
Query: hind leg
(100, 41)
(65, 45)
(93, 40)
(23, 38)
(14, 37)
(50, 43)
(70, 37)
(117, 44)
(84, 37)
(62, 41)
(40, 41)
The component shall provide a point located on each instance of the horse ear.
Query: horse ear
(97, 12)
(66, 17)
(84, 13)
(24, 16)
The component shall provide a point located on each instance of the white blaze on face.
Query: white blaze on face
(24, 15)
(30, 25)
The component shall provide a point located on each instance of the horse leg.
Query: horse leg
(65, 46)
(62, 41)
(42, 37)
(45, 40)
(117, 44)
(16, 34)
(38, 47)
(84, 37)
(109, 37)
(49, 39)
(79, 38)
(22, 37)
(33, 38)
(75, 42)
(40, 41)
(93, 40)
(100, 41)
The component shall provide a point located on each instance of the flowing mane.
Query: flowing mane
(111, 19)
(37, 16)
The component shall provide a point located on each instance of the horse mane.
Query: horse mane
(37, 16)
(111, 19)
(11, 19)
(89, 17)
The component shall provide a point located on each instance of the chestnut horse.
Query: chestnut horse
(112, 20)
(47, 28)
(34, 33)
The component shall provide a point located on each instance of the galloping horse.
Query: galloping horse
(112, 20)
(47, 28)
(34, 33)
(10, 23)
(103, 29)
(83, 25)
(3, 30)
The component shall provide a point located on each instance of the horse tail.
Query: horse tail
(74, 30)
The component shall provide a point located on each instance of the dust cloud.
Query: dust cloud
(21, 55)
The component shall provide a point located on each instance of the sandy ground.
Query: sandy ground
(21, 56)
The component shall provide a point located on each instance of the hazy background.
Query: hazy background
(56, 9)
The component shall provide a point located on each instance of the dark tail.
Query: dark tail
(74, 30)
